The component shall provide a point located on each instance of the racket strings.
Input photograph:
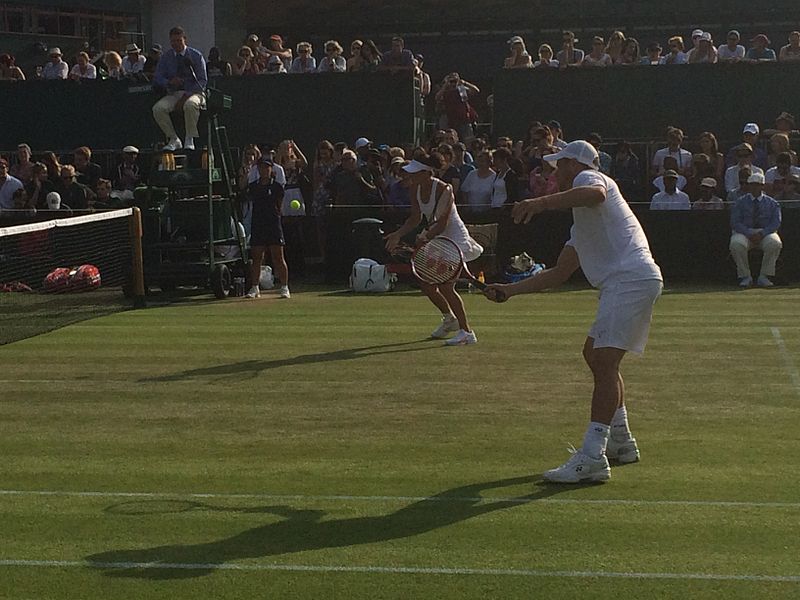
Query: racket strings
(438, 261)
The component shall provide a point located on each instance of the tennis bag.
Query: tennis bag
(368, 276)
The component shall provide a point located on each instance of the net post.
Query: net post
(137, 272)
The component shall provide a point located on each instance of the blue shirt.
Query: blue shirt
(172, 65)
(750, 214)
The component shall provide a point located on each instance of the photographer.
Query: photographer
(452, 100)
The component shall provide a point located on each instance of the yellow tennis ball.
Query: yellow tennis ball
(295, 204)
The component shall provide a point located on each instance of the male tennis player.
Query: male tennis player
(608, 243)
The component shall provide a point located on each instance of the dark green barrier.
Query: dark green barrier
(307, 108)
(639, 102)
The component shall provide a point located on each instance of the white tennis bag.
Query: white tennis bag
(369, 276)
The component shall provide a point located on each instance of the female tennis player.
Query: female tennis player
(434, 198)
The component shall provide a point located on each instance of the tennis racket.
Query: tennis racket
(441, 261)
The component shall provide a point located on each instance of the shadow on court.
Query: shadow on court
(303, 530)
(253, 368)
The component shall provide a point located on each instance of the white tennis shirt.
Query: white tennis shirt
(608, 238)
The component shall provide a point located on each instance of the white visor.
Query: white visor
(415, 167)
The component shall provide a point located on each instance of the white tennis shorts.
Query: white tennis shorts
(624, 315)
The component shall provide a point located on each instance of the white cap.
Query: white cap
(708, 182)
(132, 48)
(756, 178)
(706, 36)
(415, 167)
(516, 40)
(53, 200)
(347, 153)
(580, 150)
(697, 33)
(751, 128)
(361, 142)
(55, 51)
(130, 149)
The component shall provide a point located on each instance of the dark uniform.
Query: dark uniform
(266, 228)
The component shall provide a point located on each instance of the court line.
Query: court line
(788, 363)
(375, 569)
(385, 499)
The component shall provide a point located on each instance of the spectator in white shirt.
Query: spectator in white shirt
(705, 51)
(479, 185)
(56, 68)
(304, 62)
(706, 199)
(744, 159)
(671, 198)
(741, 189)
(545, 57)
(676, 54)
(683, 157)
(670, 164)
(83, 69)
(597, 57)
(133, 63)
(791, 51)
(732, 51)
(333, 62)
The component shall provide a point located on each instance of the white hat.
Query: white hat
(580, 150)
(708, 182)
(349, 154)
(516, 40)
(55, 51)
(415, 167)
(132, 48)
(361, 142)
(706, 36)
(697, 33)
(756, 178)
(53, 200)
(751, 128)
(130, 149)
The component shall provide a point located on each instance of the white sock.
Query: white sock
(595, 440)
(620, 430)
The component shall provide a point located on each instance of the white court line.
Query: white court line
(788, 363)
(384, 499)
(374, 569)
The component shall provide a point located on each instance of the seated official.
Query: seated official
(755, 219)
(181, 71)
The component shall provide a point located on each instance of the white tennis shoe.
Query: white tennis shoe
(253, 293)
(579, 468)
(463, 338)
(284, 293)
(624, 453)
(173, 144)
(449, 325)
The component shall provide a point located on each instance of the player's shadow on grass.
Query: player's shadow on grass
(255, 367)
(304, 530)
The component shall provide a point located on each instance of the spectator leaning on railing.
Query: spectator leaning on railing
(55, 68)
(676, 54)
(791, 51)
(519, 59)
(569, 55)
(732, 51)
(760, 50)
(9, 71)
(546, 59)
(133, 63)
(8, 186)
(304, 62)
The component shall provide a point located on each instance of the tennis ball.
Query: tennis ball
(295, 204)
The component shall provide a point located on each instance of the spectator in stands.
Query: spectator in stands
(254, 43)
(546, 59)
(114, 64)
(558, 134)
(76, 195)
(778, 144)
(22, 202)
(791, 51)
(707, 198)
(750, 135)
(54, 202)
(742, 188)
(596, 140)
(625, 169)
(597, 57)
(397, 195)
(631, 54)
(705, 52)
(370, 57)
(182, 72)
(454, 98)
(449, 173)
(23, 168)
(53, 167)
(653, 54)
(275, 48)
(683, 157)
(479, 186)
(354, 62)
(676, 54)
(519, 59)
(709, 146)
(398, 57)
(275, 66)
(246, 63)
(506, 188)
(8, 186)
(744, 158)
(538, 144)
(133, 63)
(347, 185)
(39, 186)
(732, 51)
(542, 180)
(671, 198)
(670, 164)
(151, 63)
(569, 55)
(789, 196)
(775, 177)
(760, 50)
(333, 62)
(83, 69)
(784, 123)
(423, 77)
(755, 219)
(701, 169)
(88, 172)
(9, 71)
(464, 168)
(324, 166)
(216, 66)
(56, 68)
(616, 43)
(103, 197)
(697, 35)
(303, 62)
(128, 175)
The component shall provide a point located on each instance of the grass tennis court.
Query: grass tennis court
(323, 448)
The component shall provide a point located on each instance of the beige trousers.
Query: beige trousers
(191, 113)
